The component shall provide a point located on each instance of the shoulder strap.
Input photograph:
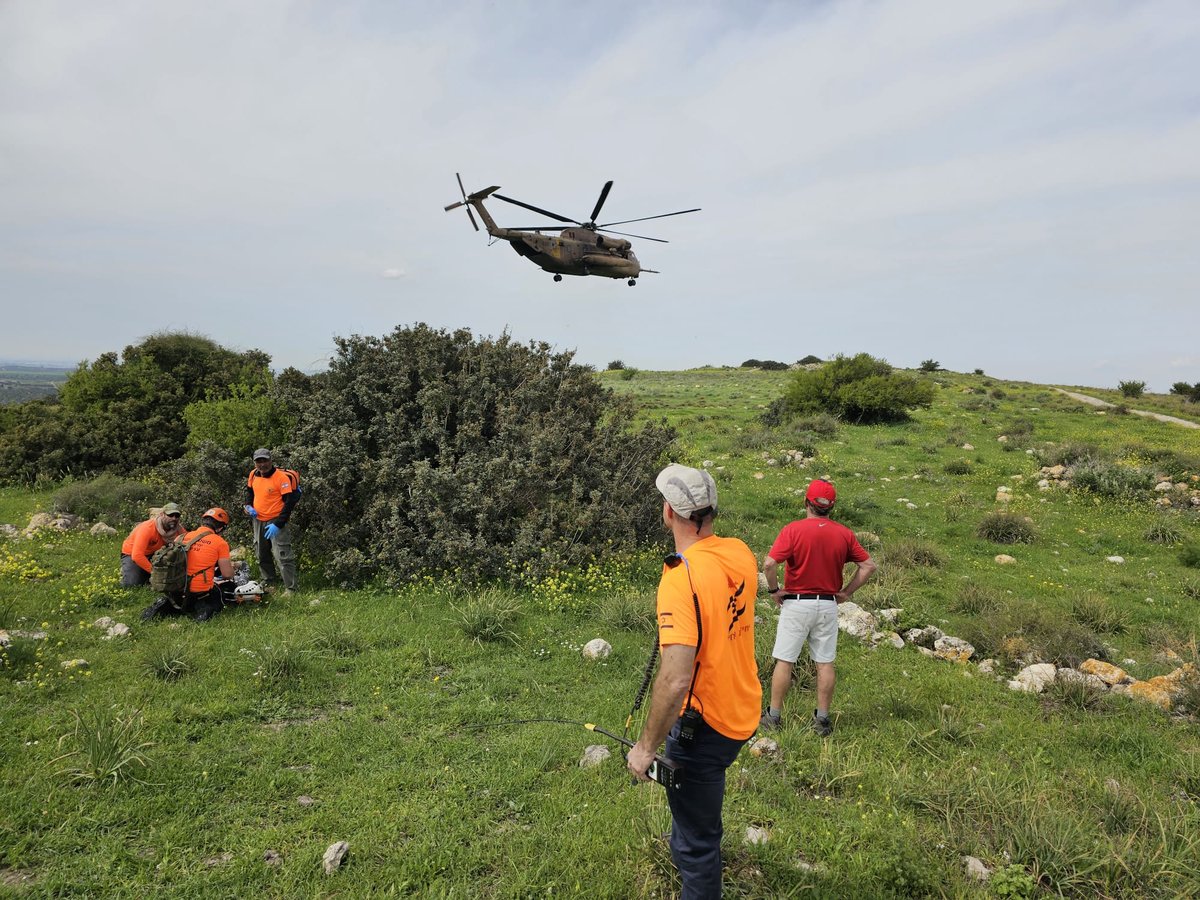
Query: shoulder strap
(188, 544)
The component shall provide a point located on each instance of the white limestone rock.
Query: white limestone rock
(597, 648)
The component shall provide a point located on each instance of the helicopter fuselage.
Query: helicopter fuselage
(575, 251)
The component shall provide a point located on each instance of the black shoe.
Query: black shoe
(821, 725)
(155, 608)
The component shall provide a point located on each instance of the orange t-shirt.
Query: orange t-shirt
(268, 492)
(142, 543)
(724, 574)
(202, 559)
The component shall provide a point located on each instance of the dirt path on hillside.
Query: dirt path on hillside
(1162, 417)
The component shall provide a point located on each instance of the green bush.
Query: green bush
(628, 373)
(615, 365)
(1067, 454)
(1005, 528)
(1020, 631)
(1131, 389)
(957, 467)
(208, 476)
(249, 417)
(859, 389)
(109, 498)
(930, 366)
(769, 365)
(1189, 555)
(1111, 479)
(1012, 882)
(430, 451)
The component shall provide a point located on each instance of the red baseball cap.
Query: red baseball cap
(821, 493)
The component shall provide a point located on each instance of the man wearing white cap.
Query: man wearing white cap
(707, 696)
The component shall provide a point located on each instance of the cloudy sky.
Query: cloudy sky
(1007, 185)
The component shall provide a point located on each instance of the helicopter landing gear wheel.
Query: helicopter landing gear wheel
(632, 282)
(558, 278)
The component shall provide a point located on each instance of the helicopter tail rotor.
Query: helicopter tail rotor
(468, 199)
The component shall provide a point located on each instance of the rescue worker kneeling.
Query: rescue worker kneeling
(209, 570)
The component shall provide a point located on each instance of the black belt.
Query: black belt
(808, 597)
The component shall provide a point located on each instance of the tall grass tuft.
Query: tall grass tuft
(336, 640)
(976, 599)
(1164, 532)
(169, 662)
(107, 748)
(1098, 614)
(1075, 694)
(1005, 528)
(488, 617)
(912, 553)
(627, 610)
(279, 665)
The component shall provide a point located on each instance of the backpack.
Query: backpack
(294, 478)
(168, 566)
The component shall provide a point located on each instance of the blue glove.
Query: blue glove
(270, 531)
(251, 511)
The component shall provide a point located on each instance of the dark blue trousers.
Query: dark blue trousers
(696, 827)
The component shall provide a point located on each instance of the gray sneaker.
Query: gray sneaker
(769, 722)
(821, 725)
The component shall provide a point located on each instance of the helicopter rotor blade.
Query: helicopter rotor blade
(471, 216)
(640, 237)
(460, 185)
(648, 218)
(599, 203)
(536, 209)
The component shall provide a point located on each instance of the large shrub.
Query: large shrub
(430, 451)
(123, 414)
(857, 388)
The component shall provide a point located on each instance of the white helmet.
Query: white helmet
(250, 592)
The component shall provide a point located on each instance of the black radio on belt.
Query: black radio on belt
(688, 723)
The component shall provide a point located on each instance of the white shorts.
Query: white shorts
(814, 621)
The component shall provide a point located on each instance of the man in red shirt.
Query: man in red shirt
(707, 695)
(815, 549)
(145, 539)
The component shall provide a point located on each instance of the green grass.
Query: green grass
(364, 701)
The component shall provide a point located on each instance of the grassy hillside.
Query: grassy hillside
(365, 704)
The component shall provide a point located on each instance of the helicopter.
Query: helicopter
(579, 249)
